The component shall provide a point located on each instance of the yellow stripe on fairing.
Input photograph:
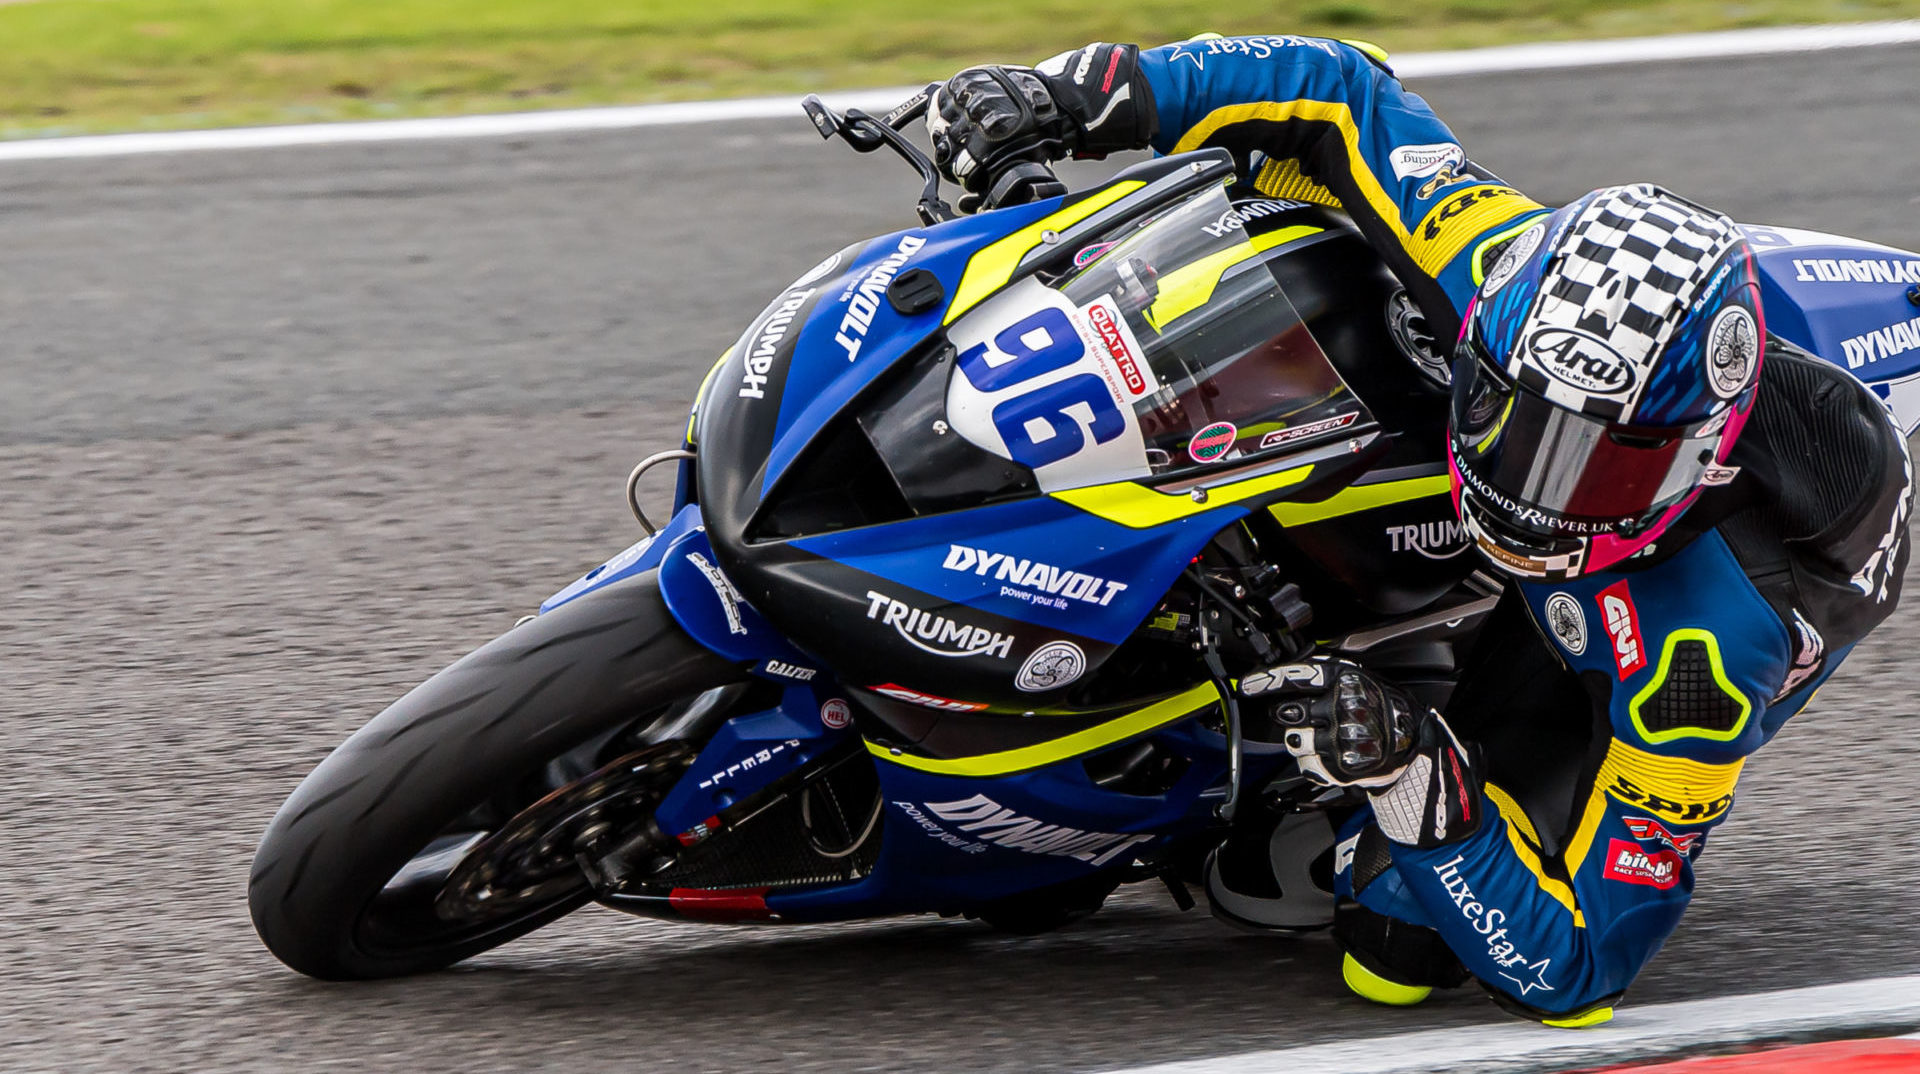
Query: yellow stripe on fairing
(1093, 738)
(1357, 498)
(694, 415)
(1518, 825)
(1136, 506)
(993, 265)
(1190, 286)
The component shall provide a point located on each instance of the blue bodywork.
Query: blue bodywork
(952, 842)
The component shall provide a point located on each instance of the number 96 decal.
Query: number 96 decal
(1039, 385)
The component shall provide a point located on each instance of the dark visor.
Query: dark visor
(1560, 472)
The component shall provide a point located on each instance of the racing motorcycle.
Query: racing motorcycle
(985, 532)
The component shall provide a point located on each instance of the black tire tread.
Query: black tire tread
(498, 713)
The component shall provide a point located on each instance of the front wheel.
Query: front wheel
(348, 878)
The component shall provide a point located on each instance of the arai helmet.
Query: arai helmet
(1603, 374)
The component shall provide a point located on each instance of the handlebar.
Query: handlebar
(1014, 182)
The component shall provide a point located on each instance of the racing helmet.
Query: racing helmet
(1604, 371)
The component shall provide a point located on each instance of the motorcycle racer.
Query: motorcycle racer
(1697, 521)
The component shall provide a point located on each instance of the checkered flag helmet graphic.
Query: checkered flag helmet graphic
(1608, 365)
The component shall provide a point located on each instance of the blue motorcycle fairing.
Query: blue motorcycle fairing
(713, 612)
(638, 558)
(953, 843)
(1039, 560)
(745, 755)
(853, 333)
(1848, 302)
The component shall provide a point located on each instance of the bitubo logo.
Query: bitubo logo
(990, 822)
(1429, 538)
(1629, 863)
(1235, 219)
(863, 299)
(936, 634)
(1488, 922)
(1031, 574)
(1574, 357)
(1623, 625)
(766, 344)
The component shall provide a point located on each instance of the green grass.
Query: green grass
(77, 66)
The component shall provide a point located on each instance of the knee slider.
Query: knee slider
(1401, 953)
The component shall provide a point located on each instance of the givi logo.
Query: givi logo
(1623, 624)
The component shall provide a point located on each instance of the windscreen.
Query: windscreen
(1171, 351)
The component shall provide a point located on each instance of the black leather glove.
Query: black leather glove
(1086, 103)
(1348, 728)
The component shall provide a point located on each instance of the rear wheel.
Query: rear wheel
(348, 881)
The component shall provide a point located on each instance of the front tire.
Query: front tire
(345, 880)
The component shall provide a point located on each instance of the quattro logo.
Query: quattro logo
(937, 634)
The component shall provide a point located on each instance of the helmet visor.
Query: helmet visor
(1553, 472)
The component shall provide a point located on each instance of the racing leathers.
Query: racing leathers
(1657, 679)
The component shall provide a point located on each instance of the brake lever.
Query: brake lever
(866, 133)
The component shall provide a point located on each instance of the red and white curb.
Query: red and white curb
(1898, 1055)
(1665, 1031)
(1413, 65)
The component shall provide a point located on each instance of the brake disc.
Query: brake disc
(537, 855)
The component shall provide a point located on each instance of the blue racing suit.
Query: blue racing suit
(1689, 661)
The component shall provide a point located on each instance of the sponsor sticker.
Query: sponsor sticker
(1052, 666)
(789, 671)
(1089, 254)
(757, 364)
(1856, 270)
(863, 298)
(1212, 443)
(1733, 351)
(932, 701)
(1567, 622)
(1719, 475)
(1312, 428)
(1695, 811)
(1584, 361)
(1622, 621)
(1235, 219)
(1030, 580)
(723, 589)
(937, 634)
(1881, 344)
(1489, 922)
(1434, 540)
(1420, 161)
(1517, 254)
(1633, 864)
(988, 821)
(835, 714)
(1117, 340)
(1648, 830)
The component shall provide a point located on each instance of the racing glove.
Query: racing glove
(1086, 103)
(1347, 728)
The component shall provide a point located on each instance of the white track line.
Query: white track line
(1636, 1033)
(1553, 56)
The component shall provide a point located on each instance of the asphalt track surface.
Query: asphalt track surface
(283, 432)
